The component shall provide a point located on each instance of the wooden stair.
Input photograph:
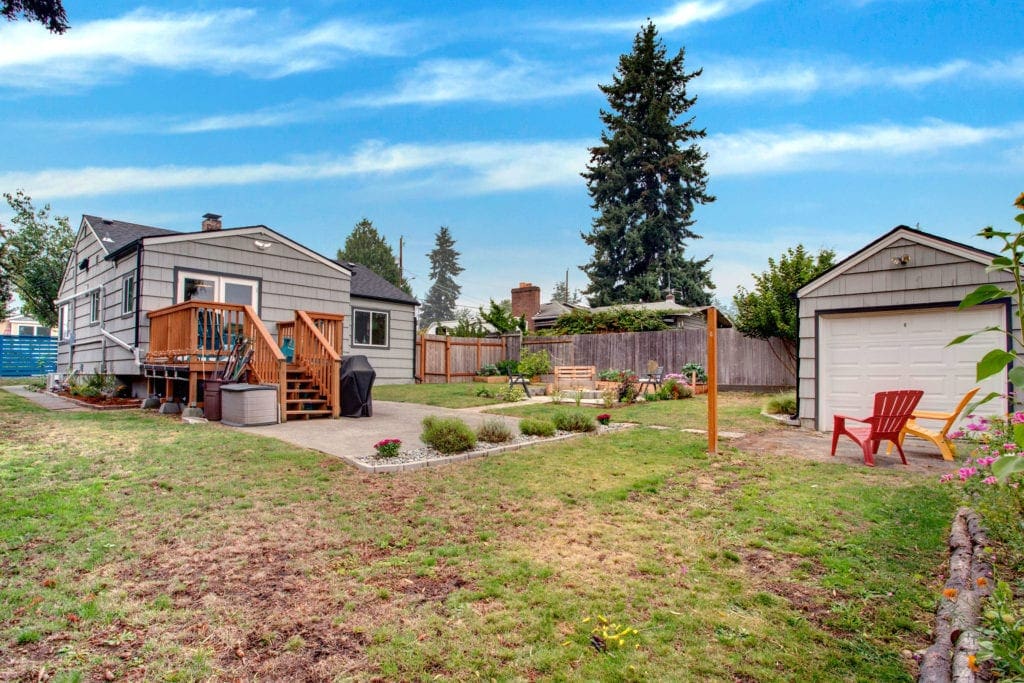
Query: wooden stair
(302, 399)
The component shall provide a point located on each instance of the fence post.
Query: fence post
(478, 353)
(447, 359)
(712, 373)
(423, 357)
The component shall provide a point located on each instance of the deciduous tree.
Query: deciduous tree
(645, 179)
(35, 251)
(771, 309)
(50, 13)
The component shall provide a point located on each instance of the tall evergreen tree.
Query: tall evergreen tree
(369, 248)
(439, 304)
(645, 178)
(560, 292)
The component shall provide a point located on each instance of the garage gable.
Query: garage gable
(882, 319)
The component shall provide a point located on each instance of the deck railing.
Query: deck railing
(200, 332)
(315, 353)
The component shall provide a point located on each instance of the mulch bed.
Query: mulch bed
(100, 402)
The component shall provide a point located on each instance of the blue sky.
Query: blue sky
(828, 122)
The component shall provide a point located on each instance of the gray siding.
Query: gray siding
(394, 365)
(290, 279)
(88, 351)
(931, 277)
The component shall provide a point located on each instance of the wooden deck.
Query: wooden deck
(192, 341)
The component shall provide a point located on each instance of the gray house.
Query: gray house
(128, 287)
(882, 319)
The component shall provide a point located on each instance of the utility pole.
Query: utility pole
(401, 272)
(567, 297)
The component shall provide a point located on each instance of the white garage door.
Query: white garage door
(861, 353)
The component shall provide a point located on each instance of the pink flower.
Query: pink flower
(986, 461)
(976, 427)
(989, 480)
(958, 434)
(1018, 418)
(966, 473)
(1009, 446)
(946, 478)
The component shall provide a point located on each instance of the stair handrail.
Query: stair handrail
(268, 364)
(318, 358)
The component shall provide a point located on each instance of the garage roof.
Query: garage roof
(899, 232)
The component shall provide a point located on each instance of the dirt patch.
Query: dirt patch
(809, 445)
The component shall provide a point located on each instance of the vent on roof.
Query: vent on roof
(108, 221)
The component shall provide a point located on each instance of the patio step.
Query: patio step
(306, 414)
(302, 399)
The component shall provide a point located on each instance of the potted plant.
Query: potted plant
(611, 379)
(695, 377)
(490, 374)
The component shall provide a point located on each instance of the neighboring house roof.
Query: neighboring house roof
(888, 239)
(552, 310)
(452, 324)
(366, 284)
(114, 235)
(668, 308)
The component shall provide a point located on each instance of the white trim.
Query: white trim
(255, 230)
(96, 306)
(387, 328)
(961, 250)
(219, 281)
(96, 236)
(124, 300)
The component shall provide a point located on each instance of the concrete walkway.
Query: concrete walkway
(349, 437)
(48, 401)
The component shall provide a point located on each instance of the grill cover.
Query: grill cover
(357, 377)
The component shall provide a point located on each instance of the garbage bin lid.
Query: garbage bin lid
(248, 387)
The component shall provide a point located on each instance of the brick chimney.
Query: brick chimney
(526, 301)
(670, 298)
(211, 222)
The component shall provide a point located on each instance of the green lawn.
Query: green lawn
(737, 411)
(161, 551)
(462, 395)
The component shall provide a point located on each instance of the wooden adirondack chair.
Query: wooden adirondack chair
(936, 436)
(892, 410)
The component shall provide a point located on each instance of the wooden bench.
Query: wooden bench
(575, 376)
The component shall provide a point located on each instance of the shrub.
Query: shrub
(536, 427)
(533, 363)
(608, 397)
(489, 370)
(484, 392)
(574, 421)
(494, 431)
(447, 434)
(511, 394)
(783, 404)
(388, 448)
(507, 367)
(690, 368)
(674, 389)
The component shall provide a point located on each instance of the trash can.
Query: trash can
(211, 398)
(357, 377)
(248, 405)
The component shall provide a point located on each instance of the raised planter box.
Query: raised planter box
(491, 379)
(603, 385)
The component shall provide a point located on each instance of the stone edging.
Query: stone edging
(959, 611)
(91, 406)
(460, 457)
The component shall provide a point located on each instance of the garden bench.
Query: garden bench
(575, 376)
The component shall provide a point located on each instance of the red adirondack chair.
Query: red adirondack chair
(892, 410)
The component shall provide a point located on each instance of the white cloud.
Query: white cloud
(743, 78)
(678, 16)
(223, 42)
(489, 167)
(467, 167)
(433, 82)
(754, 152)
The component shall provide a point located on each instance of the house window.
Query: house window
(128, 294)
(26, 331)
(63, 323)
(43, 331)
(94, 306)
(370, 328)
(223, 288)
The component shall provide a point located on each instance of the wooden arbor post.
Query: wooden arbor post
(712, 372)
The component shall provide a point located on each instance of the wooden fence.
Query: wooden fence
(742, 362)
(21, 356)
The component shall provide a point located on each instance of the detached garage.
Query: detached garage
(881, 319)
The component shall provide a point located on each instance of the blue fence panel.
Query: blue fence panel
(23, 356)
